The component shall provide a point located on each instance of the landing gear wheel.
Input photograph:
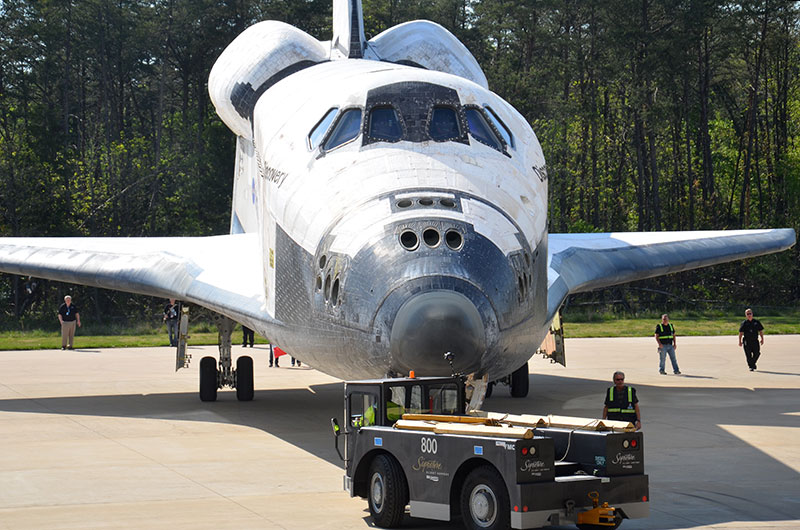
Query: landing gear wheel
(489, 388)
(388, 492)
(519, 382)
(244, 378)
(484, 500)
(208, 379)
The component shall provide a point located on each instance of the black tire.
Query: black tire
(244, 378)
(208, 379)
(489, 388)
(484, 500)
(387, 492)
(520, 382)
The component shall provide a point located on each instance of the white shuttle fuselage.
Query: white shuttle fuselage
(373, 225)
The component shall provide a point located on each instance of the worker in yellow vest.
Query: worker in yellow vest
(665, 337)
(394, 412)
(621, 402)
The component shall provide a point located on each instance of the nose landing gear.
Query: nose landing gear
(518, 380)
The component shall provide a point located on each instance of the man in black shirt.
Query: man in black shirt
(68, 315)
(750, 330)
(621, 402)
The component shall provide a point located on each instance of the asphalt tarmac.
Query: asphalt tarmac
(115, 438)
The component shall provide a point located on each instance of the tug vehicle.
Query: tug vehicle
(415, 443)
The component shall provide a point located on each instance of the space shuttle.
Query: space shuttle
(387, 208)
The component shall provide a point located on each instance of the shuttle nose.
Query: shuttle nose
(432, 323)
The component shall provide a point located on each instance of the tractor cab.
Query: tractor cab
(381, 402)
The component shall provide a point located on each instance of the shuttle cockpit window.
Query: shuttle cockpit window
(384, 124)
(480, 129)
(322, 126)
(444, 124)
(501, 127)
(347, 127)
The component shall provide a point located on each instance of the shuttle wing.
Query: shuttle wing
(222, 273)
(583, 262)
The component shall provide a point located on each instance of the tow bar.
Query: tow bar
(604, 516)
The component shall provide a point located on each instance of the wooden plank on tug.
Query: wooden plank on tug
(566, 422)
(438, 427)
(449, 419)
(484, 430)
(415, 425)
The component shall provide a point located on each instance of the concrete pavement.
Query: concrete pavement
(117, 439)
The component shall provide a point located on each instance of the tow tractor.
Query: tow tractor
(416, 443)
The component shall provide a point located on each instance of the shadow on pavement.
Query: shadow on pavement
(778, 373)
(700, 472)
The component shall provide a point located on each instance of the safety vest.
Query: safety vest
(369, 415)
(394, 411)
(671, 332)
(629, 410)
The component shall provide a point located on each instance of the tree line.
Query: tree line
(653, 115)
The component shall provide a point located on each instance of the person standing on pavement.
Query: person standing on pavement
(621, 403)
(171, 312)
(665, 337)
(68, 316)
(749, 332)
(248, 335)
(274, 353)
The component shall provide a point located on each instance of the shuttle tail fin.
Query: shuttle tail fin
(348, 40)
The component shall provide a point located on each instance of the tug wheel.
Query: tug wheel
(484, 500)
(388, 492)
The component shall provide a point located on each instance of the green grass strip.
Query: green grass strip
(37, 340)
(711, 326)
(600, 326)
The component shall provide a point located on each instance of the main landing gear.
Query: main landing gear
(518, 381)
(213, 378)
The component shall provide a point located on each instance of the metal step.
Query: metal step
(567, 468)
(579, 478)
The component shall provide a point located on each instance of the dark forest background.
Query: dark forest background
(653, 115)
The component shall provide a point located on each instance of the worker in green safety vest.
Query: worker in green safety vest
(393, 412)
(621, 402)
(665, 337)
